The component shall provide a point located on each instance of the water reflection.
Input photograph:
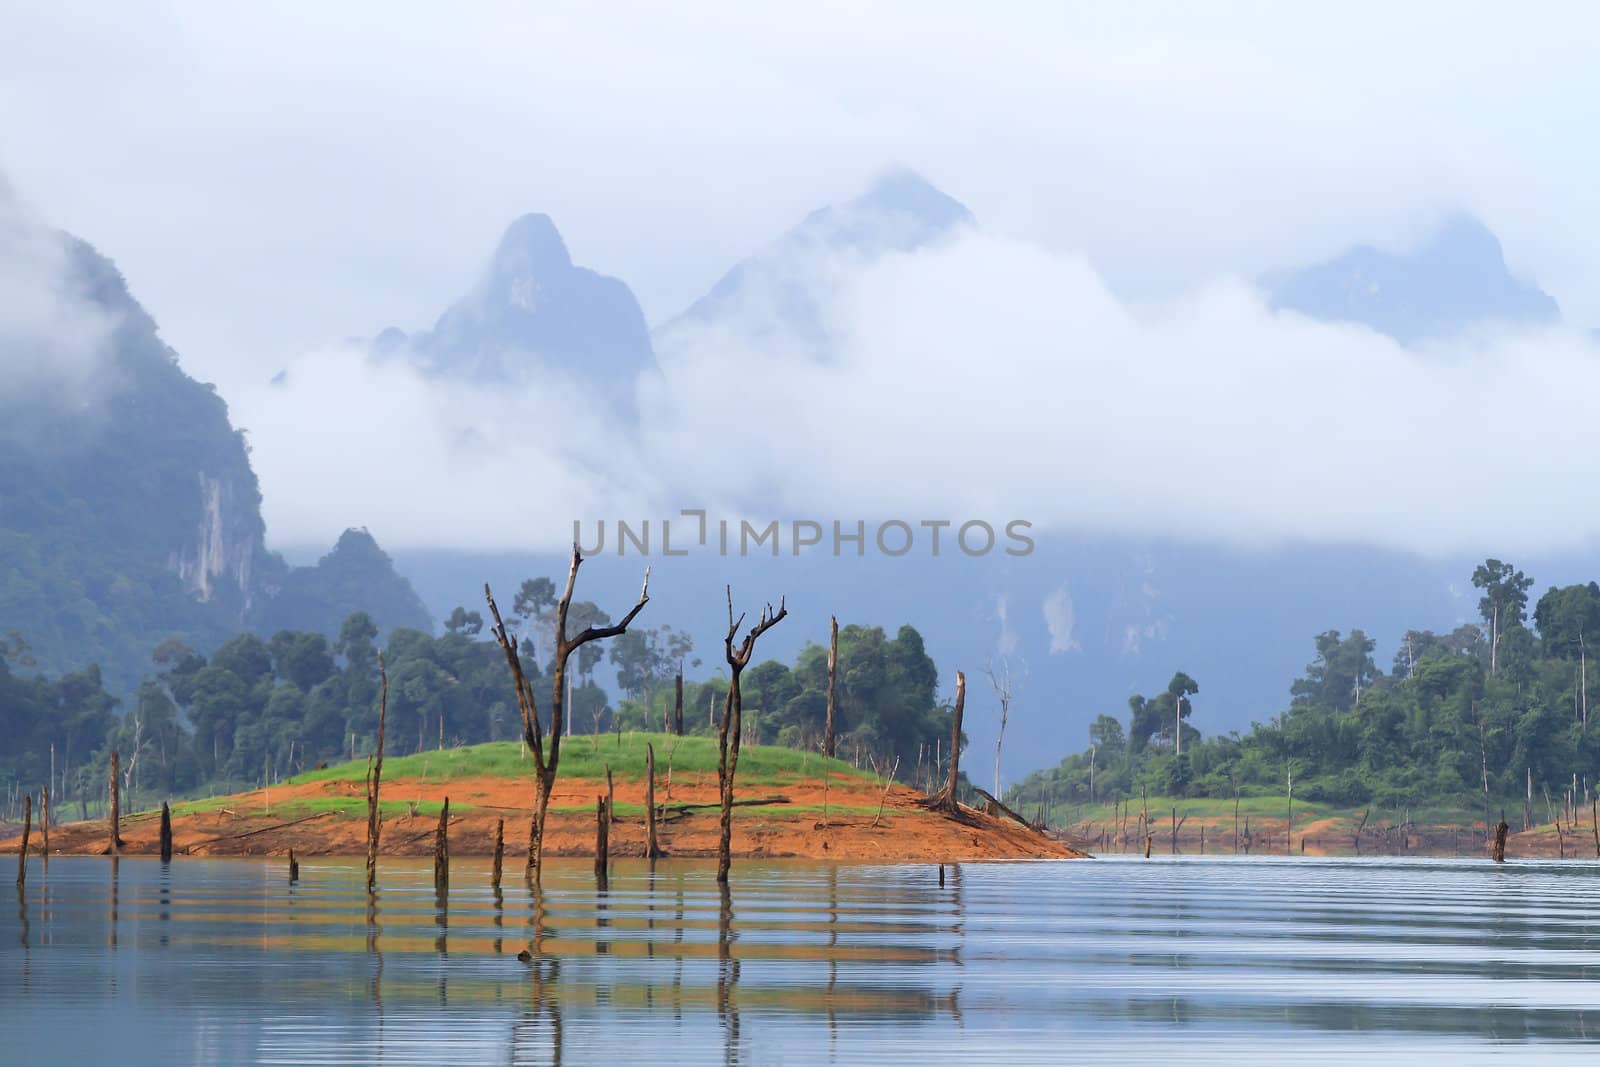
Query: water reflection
(220, 961)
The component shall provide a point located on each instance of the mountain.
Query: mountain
(356, 576)
(534, 311)
(129, 511)
(1456, 280)
(781, 293)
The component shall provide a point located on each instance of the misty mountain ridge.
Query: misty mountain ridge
(1453, 281)
(533, 308)
(782, 290)
(130, 512)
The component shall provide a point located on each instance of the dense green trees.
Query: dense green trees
(1464, 719)
(258, 709)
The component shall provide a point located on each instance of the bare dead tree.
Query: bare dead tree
(888, 783)
(114, 821)
(729, 731)
(166, 832)
(651, 851)
(677, 704)
(22, 853)
(374, 819)
(833, 669)
(547, 763)
(44, 824)
(441, 848)
(1001, 684)
(945, 799)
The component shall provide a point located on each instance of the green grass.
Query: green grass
(292, 809)
(582, 758)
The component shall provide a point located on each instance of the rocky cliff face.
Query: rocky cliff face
(128, 508)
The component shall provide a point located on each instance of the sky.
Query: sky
(277, 180)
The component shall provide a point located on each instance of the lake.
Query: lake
(1247, 960)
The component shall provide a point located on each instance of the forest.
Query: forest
(1491, 716)
(257, 710)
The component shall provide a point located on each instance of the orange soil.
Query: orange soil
(1335, 836)
(244, 825)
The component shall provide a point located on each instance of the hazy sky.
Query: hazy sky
(276, 178)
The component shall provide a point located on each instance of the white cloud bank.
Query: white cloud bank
(987, 377)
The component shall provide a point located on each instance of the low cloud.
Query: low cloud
(985, 377)
(54, 340)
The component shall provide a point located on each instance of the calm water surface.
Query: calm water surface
(1116, 960)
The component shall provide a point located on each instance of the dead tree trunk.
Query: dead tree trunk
(441, 848)
(602, 839)
(833, 668)
(294, 868)
(1500, 832)
(375, 779)
(945, 799)
(499, 851)
(44, 824)
(1356, 838)
(651, 851)
(547, 763)
(22, 853)
(166, 832)
(114, 820)
(611, 796)
(732, 725)
(677, 706)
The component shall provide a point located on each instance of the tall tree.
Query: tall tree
(1504, 602)
(547, 765)
(732, 725)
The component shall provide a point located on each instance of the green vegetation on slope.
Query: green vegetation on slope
(1465, 721)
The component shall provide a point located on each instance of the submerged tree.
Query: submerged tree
(732, 725)
(546, 763)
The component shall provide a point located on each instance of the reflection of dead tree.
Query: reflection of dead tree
(546, 763)
(733, 719)
(945, 799)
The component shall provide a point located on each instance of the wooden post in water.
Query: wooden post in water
(294, 868)
(1202, 839)
(1174, 831)
(22, 853)
(441, 848)
(1500, 840)
(602, 839)
(115, 818)
(166, 833)
(651, 850)
(44, 825)
(941, 876)
(499, 851)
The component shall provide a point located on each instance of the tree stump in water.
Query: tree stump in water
(1500, 832)
(166, 833)
(602, 839)
(499, 850)
(115, 817)
(294, 868)
(441, 848)
(22, 853)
